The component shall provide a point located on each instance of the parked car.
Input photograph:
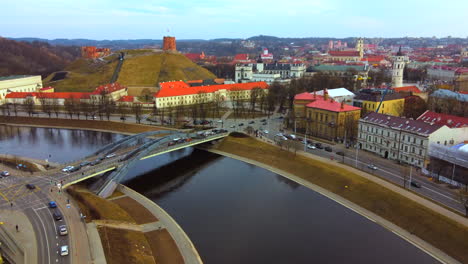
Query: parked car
(57, 215)
(265, 131)
(95, 162)
(340, 153)
(85, 163)
(252, 122)
(279, 135)
(241, 124)
(292, 136)
(372, 166)
(110, 155)
(5, 174)
(52, 204)
(264, 123)
(30, 186)
(67, 168)
(171, 143)
(73, 169)
(220, 121)
(63, 250)
(415, 184)
(122, 118)
(63, 230)
(233, 126)
(310, 146)
(263, 120)
(318, 145)
(328, 149)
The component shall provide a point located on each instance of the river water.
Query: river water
(232, 211)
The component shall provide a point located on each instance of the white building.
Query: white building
(400, 139)
(268, 72)
(339, 95)
(19, 83)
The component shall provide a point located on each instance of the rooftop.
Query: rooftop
(178, 88)
(341, 68)
(331, 105)
(443, 119)
(409, 125)
(377, 97)
(344, 53)
(412, 88)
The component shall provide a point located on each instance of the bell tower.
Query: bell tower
(399, 62)
(360, 47)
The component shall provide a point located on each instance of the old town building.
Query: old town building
(321, 116)
(268, 72)
(369, 101)
(19, 83)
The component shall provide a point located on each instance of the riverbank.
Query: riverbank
(420, 222)
(95, 125)
(133, 229)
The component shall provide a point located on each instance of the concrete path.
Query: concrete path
(226, 115)
(416, 241)
(97, 251)
(183, 242)
(21, 244)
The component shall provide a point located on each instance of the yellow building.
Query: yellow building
(323, 117)
(393, 104)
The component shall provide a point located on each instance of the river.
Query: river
(232, 211)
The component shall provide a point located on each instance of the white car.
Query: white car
(372, 166)
(110, 155)
(64, 250)
(279, 135)
(67, 168)
(293, 136)
(265, 131)
(310, 146)
(220, 121)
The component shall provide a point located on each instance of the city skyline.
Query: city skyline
(208, 19)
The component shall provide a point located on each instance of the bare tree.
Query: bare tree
(55, 107)
(29, 106)
(122, 111)
(15, 107)
(137, 110)
(69, 105)
(45, 105)
(254, 95)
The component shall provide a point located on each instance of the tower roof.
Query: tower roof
(399, 53)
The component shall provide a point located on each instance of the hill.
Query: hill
(140, 68)
(35, 58)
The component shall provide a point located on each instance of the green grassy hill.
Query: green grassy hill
(140, 68)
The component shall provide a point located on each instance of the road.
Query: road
(387, 169)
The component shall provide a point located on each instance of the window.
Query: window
(445, 143)
(406, 148)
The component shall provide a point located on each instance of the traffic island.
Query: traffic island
(418, 220)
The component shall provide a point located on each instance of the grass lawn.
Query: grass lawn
(97, 208)
(136, 210)
(440, 231)
(164, 248)
(125, 246)
(79, 124)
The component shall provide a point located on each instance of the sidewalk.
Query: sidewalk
(23, 243)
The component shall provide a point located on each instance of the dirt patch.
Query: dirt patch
(164, 249)
(13, 163)
(116, 194)
(125, 246)
(79, 124)
(136, 210)
(97, 208)
(438, 230)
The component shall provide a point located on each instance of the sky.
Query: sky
(209, 19)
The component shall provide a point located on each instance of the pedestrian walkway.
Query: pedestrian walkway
(226, 115)
(20, 245)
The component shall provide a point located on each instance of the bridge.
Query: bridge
(148, 145)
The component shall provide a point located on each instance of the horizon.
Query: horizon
(143, 19)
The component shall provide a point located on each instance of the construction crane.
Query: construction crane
(381, 100)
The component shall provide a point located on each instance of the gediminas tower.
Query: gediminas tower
(169, 44)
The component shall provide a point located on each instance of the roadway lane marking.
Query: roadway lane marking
(45, 234)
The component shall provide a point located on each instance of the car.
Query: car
(292, 136)
(318, 145)
(241, 124)
(171, 143)
(94, 117)
(263, 120)
(63, 230)
(85, 163)
(67, 168)
(219, 121)
(95, 162)
(415, 184)
(64, 250)
(279, 135)
(5, 174)
(57, 215)
(281, 117)
(310, 146)
(52, 204)
(340, 153)
(110, 155)
(299, 139)
(265, 131)
(30, 186)
(372, 166)
(284, 138)
(252, 122)
(73, 169)
(264, 123)
(233, 126)
(328, 149)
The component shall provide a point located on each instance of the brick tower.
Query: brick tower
(169, 44)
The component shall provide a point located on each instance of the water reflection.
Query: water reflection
(60, 144)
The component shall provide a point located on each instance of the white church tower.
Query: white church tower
(397, 70)
(360, 47)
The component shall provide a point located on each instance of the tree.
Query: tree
(29, 106)
(15, 107)
(122, 111)
(45, 104)
(55, 107)
(69, 105)
(137, 110)
(254, 95)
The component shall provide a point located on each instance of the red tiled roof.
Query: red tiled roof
(126, 98)
(241, 57)
(179, 88)
(412, 126)
(46, 88)
(463, 92)
(344, 53)
(443, 119)
(305, 96)
(193, 56)
(331, 105)
(413, 89)
(109, 88)
(376, 59)
(19, 95)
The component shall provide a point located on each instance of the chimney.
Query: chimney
(325, 94)
(315, 95)
(342, 104)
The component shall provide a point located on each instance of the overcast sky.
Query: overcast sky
(208, 19)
